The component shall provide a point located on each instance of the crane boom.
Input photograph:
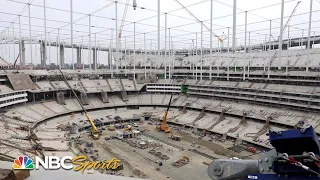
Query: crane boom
(185, 8)
(164, 127)
(290, 17)
(94, 131)
(123, 19)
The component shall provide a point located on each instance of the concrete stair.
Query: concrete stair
(53, 86)
(265, 86)
(37, 85)
(109, 85)
(124, 96)
(135, 85)
(83, 87)
(60, 98)
(121, 83)
(84, 98)
(251, 85)
(104, 97)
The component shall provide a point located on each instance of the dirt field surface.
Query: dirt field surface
(216, 148)
(140, 163)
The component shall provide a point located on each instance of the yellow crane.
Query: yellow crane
(164, 127)
(95, 133)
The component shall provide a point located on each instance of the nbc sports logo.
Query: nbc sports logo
(23, 162)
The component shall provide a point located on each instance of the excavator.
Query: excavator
(95, 133)
(164, 127)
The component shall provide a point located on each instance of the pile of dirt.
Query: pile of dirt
(216, 148)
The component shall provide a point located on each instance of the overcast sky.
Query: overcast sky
(183, 26)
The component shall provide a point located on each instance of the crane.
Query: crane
(95, 133)
(164, 127)
(215, 35)
(123, 18)
(289, 19)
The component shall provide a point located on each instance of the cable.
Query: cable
(292, 161)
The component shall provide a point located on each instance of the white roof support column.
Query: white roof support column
(134, 50)
(228, 71)
(71, 26)
(245, 45)
(211, 16)
(29, 16)
(281, 31)
(270, 56)
(44, 63)
(234, 25)
(165, 47)
(201, 53)
(309, 31)
(90, 48)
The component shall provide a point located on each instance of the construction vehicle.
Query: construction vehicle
(111, 128)
(295, 155)
(95, 133)
(175, 137)
(181, 162)
(163, 126)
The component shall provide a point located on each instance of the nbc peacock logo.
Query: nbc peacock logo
(23, 162)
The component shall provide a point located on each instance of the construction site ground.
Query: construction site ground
(140, 163)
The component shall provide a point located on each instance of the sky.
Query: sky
(183, 27)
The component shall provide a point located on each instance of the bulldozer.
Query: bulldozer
(163, 126)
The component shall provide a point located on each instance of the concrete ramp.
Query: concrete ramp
(243, 122)
(21, 82)
(124, 96)
(221, 118)
(200, 116)
(60, 98)
(104, 97)
(84, 98)
(184, 109)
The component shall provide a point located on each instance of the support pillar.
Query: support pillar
(61, 56)
(234, 32)
(94, 56)
(22, 50)
(109, 58)
(281, 31)
(43, 54)
(310, 46)
(79, 57)
(309, 33)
